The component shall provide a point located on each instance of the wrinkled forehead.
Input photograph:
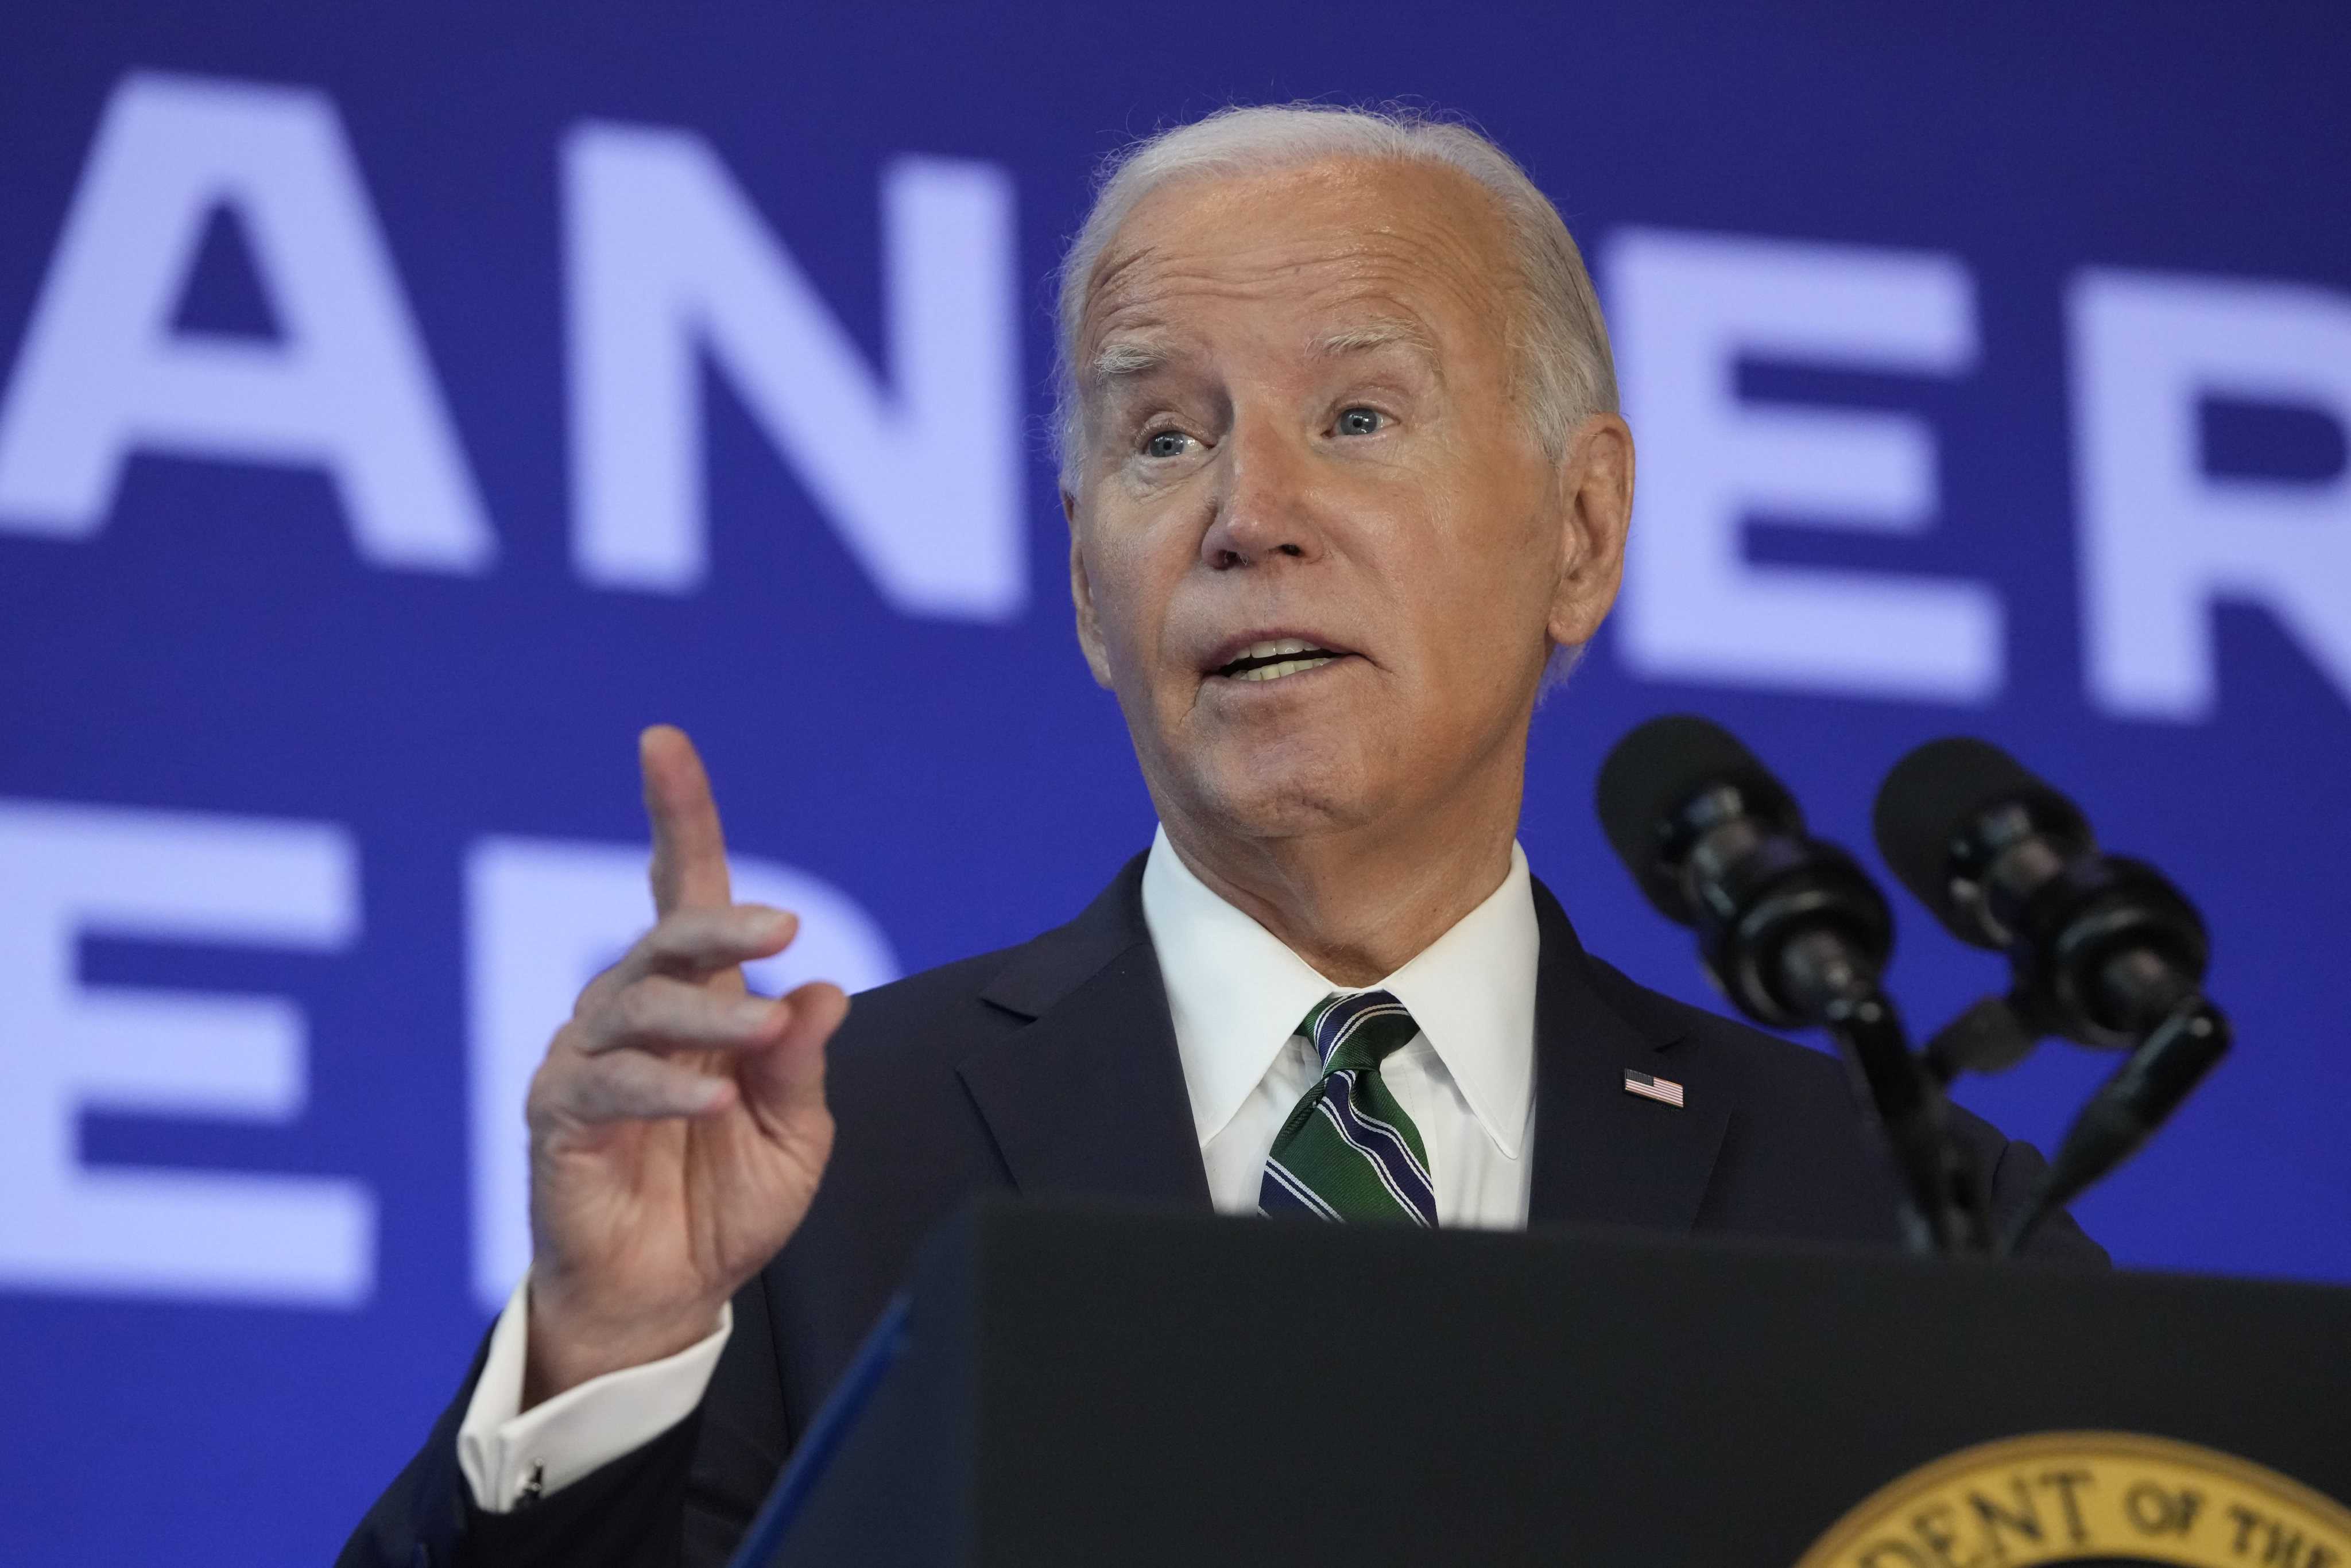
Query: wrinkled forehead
(1356, 253)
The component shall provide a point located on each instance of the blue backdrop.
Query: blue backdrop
(404, 403)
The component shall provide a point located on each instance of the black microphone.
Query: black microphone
(2102, 949)
(1792, 930)
(1785, 923)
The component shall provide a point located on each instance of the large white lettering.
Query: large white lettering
(1688, 309)
(344, 386)
(542, 917)
(667, 261)
(2162, 539)
(67, 872)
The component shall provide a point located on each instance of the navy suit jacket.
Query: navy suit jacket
(1051, 1070)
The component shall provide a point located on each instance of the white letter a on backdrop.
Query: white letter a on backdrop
(344, 385)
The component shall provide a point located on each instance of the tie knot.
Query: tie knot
(1358, 1033)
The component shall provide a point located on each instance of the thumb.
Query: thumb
(784, 1085)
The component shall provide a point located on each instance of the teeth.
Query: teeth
(1280, 645)
(1287, 667)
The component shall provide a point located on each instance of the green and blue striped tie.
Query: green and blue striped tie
(1348, 1151)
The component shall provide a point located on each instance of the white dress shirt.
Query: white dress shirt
(1467, 1079)
(1238, 996)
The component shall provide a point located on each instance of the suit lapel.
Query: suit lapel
(1603, 1155)
(1089, 1100)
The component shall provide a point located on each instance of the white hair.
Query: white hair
(1559, 343)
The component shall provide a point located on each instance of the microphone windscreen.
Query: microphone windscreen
(1657, 770)
(1933, 796)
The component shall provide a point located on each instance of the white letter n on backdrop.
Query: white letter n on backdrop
(1688, 309)
(344, 387)
(2163, 540)
(668, 261)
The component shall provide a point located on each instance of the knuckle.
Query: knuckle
(637, 1011)
(540, 1100)
(690, 938)
(662, 944)
(604, 1091)
(564, 1054)
(618, 966)
(641, 952)
(554, 1093)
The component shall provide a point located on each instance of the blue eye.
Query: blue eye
(1167, 444)
(1362, 421)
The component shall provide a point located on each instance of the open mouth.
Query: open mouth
(1272, 660)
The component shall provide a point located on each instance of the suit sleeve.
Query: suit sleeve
(681, 1500)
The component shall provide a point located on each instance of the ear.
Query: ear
(1082, 594)
(1595, 478)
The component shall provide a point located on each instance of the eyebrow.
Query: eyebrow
(1125, 357)
(1381, 332)
(1128, 357)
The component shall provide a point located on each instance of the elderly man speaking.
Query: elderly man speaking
(1345, 482)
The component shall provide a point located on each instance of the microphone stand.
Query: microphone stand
(1946, 1211)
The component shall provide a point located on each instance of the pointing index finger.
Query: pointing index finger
(689, 868)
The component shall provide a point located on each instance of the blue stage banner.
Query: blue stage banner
(401, 404)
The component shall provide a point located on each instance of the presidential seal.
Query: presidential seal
(2107, 1498)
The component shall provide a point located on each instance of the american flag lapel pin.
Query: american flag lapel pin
(1662, 1090)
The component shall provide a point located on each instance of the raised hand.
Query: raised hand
(678, 1125)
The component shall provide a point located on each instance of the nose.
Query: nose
(1266, 506)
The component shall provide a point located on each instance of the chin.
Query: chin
(1283, 791)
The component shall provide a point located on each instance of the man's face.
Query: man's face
(1316, 550)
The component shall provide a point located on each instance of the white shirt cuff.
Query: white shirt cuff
(507, 1453)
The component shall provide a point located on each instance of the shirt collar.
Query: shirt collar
(1236, 994)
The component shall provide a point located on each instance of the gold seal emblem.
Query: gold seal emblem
(2111, 1498)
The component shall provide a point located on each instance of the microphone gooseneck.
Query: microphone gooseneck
(1792, 930)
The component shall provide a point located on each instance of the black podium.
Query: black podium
(1101, 1387)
